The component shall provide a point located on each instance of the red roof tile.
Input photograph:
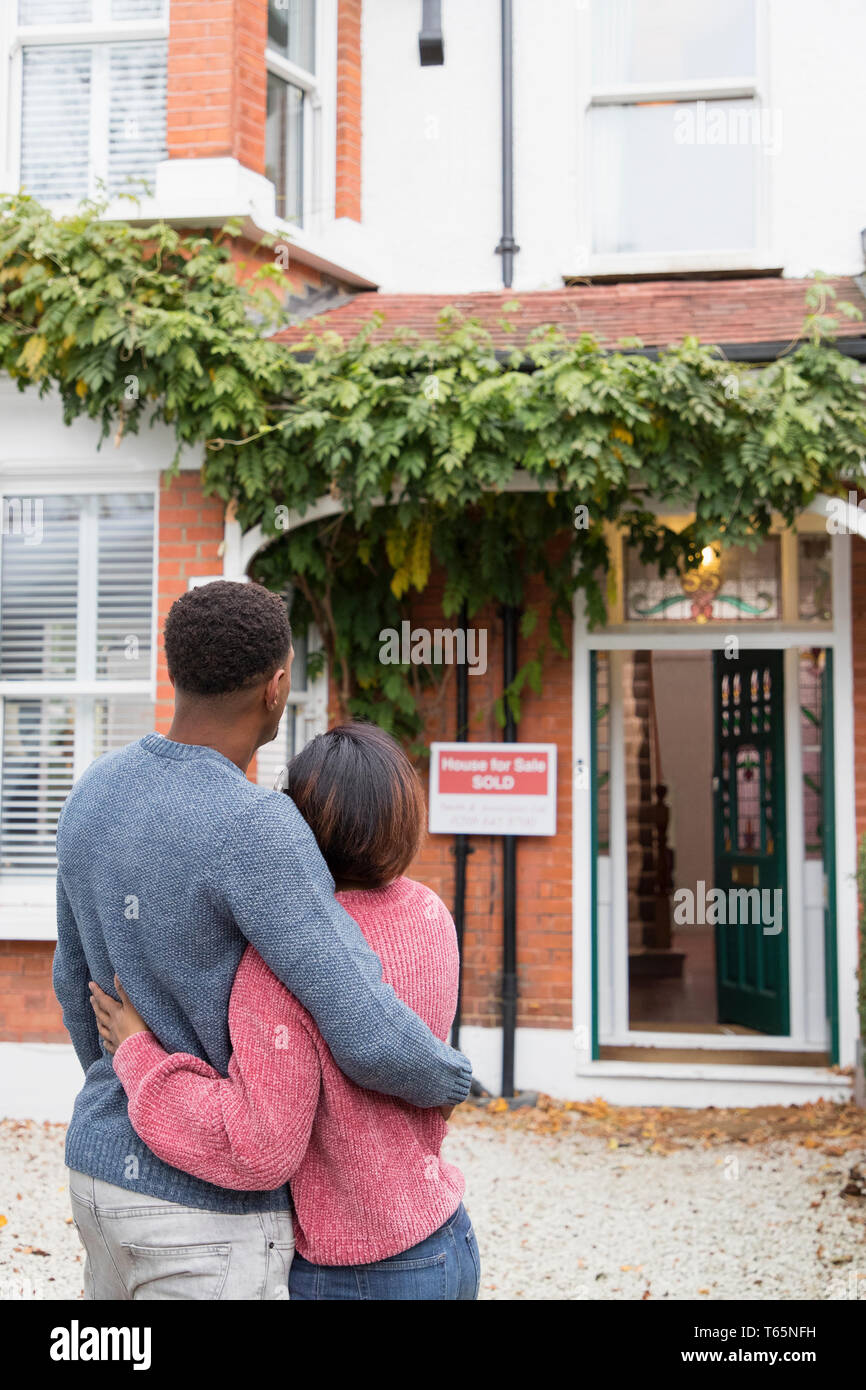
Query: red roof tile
(763, 309)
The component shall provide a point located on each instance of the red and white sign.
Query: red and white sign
(493, 788)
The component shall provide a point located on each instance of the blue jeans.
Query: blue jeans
(444, 1266)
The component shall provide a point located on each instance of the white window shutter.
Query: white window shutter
(137, 114)
(117, 722)
(55, 11)
(137, 9)
(55, 121)
(38, 761)
(39, 596)
(124, 587)
(77, 607)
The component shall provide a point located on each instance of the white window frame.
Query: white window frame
(591, 95)
(101, 30)
(27, 904)
(311, 703)
(311, 84)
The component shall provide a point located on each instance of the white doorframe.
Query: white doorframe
(846, 813)
(751, 637)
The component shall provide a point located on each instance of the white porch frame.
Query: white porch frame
(613, 1016)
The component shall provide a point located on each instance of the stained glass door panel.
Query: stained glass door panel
(750, 917)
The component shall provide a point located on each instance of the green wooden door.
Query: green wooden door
(749, 813)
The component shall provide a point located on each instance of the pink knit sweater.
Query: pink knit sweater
(366, 1174)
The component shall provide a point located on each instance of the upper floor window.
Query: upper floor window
(292, 99)
(676, 129)
(93, 96)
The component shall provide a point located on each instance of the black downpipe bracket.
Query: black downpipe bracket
(431, 46)
(509, 876)
(507, 247)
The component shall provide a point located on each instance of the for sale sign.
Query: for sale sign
(493, 788)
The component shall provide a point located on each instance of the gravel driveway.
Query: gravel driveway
(560, 1213)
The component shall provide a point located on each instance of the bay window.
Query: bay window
(92, 79)
(292, 104)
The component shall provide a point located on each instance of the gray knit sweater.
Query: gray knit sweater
(169, 861)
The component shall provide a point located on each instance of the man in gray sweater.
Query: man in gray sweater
(169, 862)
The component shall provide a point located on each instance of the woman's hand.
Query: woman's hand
(116, 1021)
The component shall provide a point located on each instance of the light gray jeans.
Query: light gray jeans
(138, 1247)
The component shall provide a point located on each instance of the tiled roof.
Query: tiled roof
(757, 310)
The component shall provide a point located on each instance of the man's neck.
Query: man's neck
(234, 742)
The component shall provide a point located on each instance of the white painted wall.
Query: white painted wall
(35, 443)
(430, 167)
(39, 1081)
(431, 143)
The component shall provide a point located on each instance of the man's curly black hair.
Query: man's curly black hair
(224, 636)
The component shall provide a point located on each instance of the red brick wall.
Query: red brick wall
(348, 196)
(191, 529)
(544, 920)
(250, 86)
(28, 1010)
(217, 88)
(217, 83)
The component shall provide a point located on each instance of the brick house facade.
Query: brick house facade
(216, 162)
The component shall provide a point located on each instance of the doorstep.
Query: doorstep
(739, 1056)
(696, 1084)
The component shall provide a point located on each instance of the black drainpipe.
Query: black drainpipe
(462, 848)
(507, 247)
(509, 875)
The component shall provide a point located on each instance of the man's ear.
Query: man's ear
(272, 689)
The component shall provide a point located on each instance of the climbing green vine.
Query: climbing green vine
(428, 447)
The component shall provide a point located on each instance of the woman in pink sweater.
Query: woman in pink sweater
(378, 1214)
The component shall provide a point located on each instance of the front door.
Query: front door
(749, 829)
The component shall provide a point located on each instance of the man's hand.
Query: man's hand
(115, 1020)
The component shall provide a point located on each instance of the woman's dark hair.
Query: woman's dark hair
(363, 801)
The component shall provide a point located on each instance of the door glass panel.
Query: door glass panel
(748, 799)
(768, 801)
(814, 583)
(734, 584)
(602, 751)
(811, 686)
